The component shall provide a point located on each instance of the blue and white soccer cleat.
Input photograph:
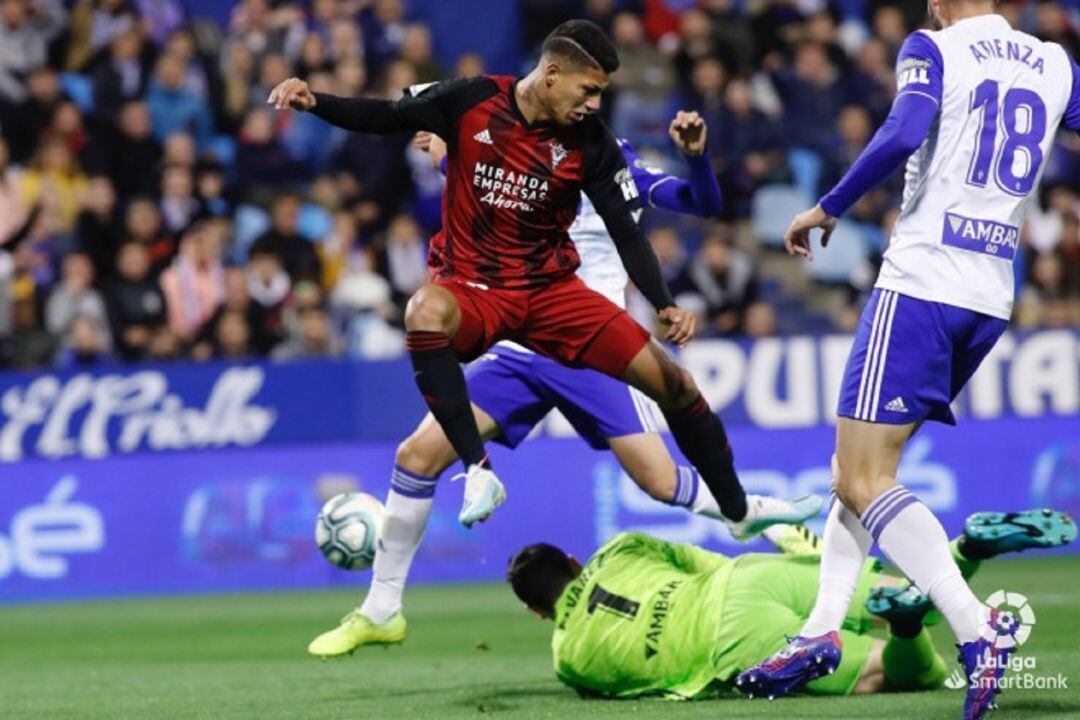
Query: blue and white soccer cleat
(801, 661)
(995, 533)
(763, 512)
(984, 662)
(483, 493)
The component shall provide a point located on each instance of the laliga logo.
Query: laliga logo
(1011, 627)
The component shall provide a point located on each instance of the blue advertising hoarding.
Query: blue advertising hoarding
(771, 384)
(244, 519)
(209, 477)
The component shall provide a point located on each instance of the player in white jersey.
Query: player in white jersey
(975, 115)
(513, 389)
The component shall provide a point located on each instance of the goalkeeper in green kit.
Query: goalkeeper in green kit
(648, 617)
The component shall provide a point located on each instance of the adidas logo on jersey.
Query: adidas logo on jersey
(896, 405)
(483, 137)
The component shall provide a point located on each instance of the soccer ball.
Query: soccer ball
(348, 529)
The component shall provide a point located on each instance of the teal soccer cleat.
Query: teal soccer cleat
(987, 534)
(898, 605)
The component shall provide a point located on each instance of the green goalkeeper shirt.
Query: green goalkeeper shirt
(643, 617)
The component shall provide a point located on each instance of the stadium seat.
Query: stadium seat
(774, 206)
(846, 252)
(249, 223)
(315, 222)
(223, 148)
(806, 167)
(80, 89)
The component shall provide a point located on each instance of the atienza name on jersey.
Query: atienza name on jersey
(1001, 94)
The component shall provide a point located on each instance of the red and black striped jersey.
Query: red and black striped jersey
(513, 188)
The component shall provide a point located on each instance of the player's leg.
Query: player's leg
(845, 546)
(701, 437)
(607, 413)
(579, 326)
(697, 430)
(782, 590)
(899, 664)
(646, 459)
(897, 354)
(868, 454)
(928, 339)
(872, 676)
(896, 664)
(986, 535)
(846, 543)
(433, 318)
(864, 459)
(763, 607)
(419, 461)
(446, 322)
(909, 660)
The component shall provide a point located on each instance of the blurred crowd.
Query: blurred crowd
(153, 208)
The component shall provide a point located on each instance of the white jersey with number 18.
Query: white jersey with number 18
(1001, 95)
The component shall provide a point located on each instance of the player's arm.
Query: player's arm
(435, 110)
(1071, 119)
(919, 74)
(613, 193)
(693, 559)
(700, 194)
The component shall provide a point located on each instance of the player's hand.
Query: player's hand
(681, 325)
(688, 131)
(293, 93)
(797, 237)
(433, 145)
(422, 140)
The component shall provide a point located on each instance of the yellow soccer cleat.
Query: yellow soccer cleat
(355, 631)
(793, 539)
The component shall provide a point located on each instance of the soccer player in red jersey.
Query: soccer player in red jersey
(521, 152)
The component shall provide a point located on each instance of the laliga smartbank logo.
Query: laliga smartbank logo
(1011, 626)
(1007, 630)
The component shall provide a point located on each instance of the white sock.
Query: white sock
(692, 493)
(408, 506)
(844, 549)
(913, 539)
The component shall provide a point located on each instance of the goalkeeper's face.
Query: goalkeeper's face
(572, 93)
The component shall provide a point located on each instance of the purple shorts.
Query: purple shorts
(517, 389)
(912, 357)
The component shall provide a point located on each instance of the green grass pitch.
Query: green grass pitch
(471, 653)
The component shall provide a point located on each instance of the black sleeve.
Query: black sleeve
(613, 193)
(436, 109)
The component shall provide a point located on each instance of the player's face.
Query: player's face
(574, 94)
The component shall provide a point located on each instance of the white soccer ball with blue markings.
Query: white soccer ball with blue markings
(348, 529)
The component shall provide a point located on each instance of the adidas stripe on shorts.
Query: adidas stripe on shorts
(912, 357)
